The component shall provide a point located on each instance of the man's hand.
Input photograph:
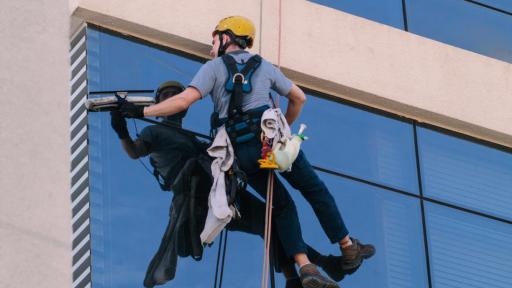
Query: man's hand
(131, 110)
(119, 124)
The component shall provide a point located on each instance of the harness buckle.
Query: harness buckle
(239, 75)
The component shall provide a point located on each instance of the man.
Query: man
(169, 150)
(231, 37)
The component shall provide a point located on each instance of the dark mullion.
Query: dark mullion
(387, 188)
(466, 137)
(490, 7)
(328, 171)
(468, 210)
(422, 205)
(404, 13)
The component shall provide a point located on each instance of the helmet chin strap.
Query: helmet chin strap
(223, 46)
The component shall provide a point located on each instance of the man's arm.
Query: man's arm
(174, 104)
(296, 100)
(133, 149)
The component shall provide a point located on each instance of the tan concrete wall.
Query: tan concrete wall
(35, 213)
(339, 54)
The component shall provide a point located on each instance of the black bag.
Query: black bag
(236, 181)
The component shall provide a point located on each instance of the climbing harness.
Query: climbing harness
(241, 126)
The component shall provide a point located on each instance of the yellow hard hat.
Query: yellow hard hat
(239, 26)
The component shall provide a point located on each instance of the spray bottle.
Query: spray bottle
(286, 152)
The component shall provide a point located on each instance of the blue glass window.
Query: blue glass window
(463, 24)
(465, 174)
(390, 221)
(359, 143)
(384, 11)
(468, 250)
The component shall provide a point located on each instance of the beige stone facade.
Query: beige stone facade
(35, 213)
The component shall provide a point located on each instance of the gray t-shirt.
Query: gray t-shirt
(212, 76)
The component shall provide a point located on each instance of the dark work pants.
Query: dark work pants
(284, 213)
(303, 178)
(252, 221)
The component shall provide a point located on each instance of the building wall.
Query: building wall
(418, 78)
(35, 214)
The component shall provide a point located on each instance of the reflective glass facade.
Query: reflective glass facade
(410, 190)
(481, 26)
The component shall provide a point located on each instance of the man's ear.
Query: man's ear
(225, 38)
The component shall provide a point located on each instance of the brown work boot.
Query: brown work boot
(333, 267)
(311, 278)
(354, 254)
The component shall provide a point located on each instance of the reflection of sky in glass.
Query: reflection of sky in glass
(465, 173)
(464, 25)
(455, 22)
(384, 11)
(359, 143)
(392, 222)
(458, 255)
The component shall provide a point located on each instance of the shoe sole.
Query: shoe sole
(357, 262)
(311, 282)
(366, 256)
(353, 264)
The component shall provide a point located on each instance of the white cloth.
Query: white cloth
(222, 152)
(219, 212)
(274, 125)
(213, 226)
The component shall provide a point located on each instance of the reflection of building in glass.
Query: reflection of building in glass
(409, 133)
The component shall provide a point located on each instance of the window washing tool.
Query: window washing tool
(109, 103)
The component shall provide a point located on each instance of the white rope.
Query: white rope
(270, 182)
(268, 229)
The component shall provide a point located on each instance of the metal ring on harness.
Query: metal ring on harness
(241, 75)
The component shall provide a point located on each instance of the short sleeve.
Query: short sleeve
(204, 80)
(280, 83)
